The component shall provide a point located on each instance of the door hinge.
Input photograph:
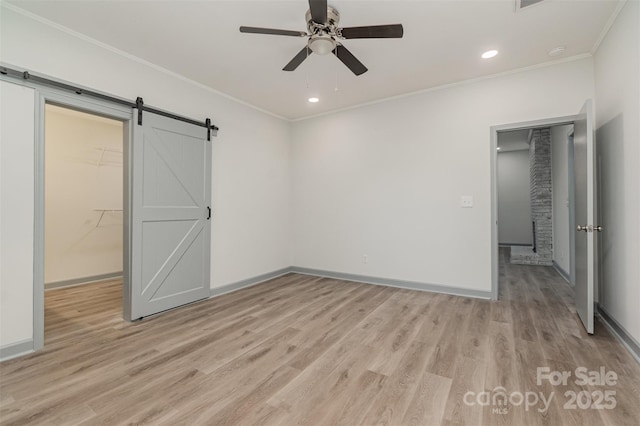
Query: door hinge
(208, 212)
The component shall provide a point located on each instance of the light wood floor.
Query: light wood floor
(308, 350)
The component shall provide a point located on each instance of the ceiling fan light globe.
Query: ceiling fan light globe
(322, 45)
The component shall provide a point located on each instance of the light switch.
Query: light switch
(466, 201)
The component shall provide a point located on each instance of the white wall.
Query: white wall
(251, 155)
(385, 180)
(16, 213)
(83, 175)
(560, 194)
(617, 71)
(514, 198)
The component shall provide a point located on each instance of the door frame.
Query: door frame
(547, 122)
(45, 95)
(572, 210)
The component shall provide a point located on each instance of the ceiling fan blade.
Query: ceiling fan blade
(373, 31)
(318, 11)
(256, 30)
(297, 60)
(349, 60)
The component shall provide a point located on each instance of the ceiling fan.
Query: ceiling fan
(325, 36)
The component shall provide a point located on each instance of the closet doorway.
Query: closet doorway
(83, 221)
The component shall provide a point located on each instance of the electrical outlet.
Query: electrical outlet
(365, 259)
(466, 201)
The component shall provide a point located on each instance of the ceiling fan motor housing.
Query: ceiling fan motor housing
(333, 19)
(322, 39)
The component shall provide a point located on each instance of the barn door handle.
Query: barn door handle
(208, 212)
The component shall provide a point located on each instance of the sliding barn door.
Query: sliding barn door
(170, 215)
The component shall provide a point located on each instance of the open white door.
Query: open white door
(170, 212)
(585, 215)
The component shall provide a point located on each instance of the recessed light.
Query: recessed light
(489, 54)
(557, 51)
(314, 100)
(498, 148)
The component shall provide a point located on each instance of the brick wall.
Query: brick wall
(541, 199)
(540, 187)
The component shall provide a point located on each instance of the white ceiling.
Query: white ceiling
(515, 140)
(442, 43)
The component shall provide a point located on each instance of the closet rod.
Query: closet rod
(26, 75)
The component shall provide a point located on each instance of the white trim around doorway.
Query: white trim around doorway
(92, 106)
(548, 122)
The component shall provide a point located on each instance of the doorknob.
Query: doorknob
(589, 228)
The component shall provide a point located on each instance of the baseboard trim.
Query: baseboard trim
(14, 350)
(409, 285)
(248, 282)
(620, 333)
(564, 274)
(80, 281)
